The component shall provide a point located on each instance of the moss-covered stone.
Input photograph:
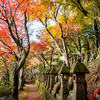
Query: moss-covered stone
(47, 71)
(79, 68)
(64, 70)
(53, 71)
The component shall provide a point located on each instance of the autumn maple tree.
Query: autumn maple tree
(14, 34)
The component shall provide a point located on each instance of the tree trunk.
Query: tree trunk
(21, 79)
(65, 54)
(96, 33)
(7, 78)
(66, 57)
(15, 86)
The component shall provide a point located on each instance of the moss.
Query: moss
(34, 81)
(79, 68)
(64, 70)
(43, 92)
(53, 71)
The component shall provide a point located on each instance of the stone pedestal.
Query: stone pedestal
(63, 93)
(79, 82)
(45, 79)
(64, 86)
(53, 74)
(79, 87)
(48, 79)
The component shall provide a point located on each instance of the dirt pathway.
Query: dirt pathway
(30, 92)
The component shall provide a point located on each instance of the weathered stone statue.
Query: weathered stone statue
(53, 74)
(70, 87)
(96, 95)
(56, 87)
(70, 83)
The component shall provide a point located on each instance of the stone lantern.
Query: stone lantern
(79, 70)
(45, 78)
(63, 93)
(53, 74)
(48, 79)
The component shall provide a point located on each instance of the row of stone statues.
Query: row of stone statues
(67, 84)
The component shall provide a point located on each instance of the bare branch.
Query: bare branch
(3, 19)
(55, 14)
(42, 22)
(17, 7)
(79, 6)
(14, 54)
(42, 55)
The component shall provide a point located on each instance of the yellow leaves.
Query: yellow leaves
(55, 31)
(62, 18)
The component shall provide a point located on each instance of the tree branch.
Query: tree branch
(78, 4)
(14, 54)
(26, 32)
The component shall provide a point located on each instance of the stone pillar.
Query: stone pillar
(63, 93)
(53, 74)
(39, 77)
(45, 79)
(79, 71)
(48, 79)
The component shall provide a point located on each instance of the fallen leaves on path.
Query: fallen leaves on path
(30, 92)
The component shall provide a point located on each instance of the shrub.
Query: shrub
(5, 90)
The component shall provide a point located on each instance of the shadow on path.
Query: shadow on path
(30, 92)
